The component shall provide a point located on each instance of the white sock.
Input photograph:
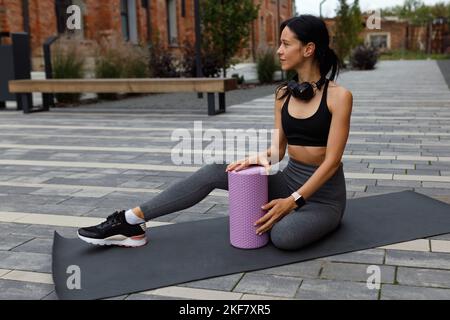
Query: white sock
(132, 218)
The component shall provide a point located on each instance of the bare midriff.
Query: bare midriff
(308, 155)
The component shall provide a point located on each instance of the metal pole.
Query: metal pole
(48, 98)
(198, 43)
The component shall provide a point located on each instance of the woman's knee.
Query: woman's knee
(290, 235)
(286, 238)
(215, 174)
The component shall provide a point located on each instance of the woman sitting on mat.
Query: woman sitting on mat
(308, 198)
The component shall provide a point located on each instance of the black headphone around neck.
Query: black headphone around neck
(305, 90)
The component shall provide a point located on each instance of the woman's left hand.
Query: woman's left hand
(278, 208)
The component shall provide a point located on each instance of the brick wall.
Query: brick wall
(266, 27)
(102, 19)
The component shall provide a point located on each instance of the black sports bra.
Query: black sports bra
(312, 131)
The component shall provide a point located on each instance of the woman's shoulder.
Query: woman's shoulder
(280, 91)
(337, 95)
(338, 91)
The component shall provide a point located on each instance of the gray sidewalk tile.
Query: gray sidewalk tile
(225, 283)
(430, 260)
(355, 272)
(268, 285)
(423, 277)
(335, 290)
(25, 261)
(38, 245)
(17, 290)
(306, 269)
(396, 292)
(10, 241)
(371, 256)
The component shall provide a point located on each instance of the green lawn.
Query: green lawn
(412, 55)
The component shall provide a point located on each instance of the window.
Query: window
(172, 22)
(129, 20)
(380, 41)
(125, 19)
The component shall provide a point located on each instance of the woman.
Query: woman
(308, 198)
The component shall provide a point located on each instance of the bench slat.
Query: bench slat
(153, 85)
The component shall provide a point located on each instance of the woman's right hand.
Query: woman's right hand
(245, 163)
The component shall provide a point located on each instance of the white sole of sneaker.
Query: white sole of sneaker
(133, 242)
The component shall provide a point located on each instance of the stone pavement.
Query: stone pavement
(74, 166)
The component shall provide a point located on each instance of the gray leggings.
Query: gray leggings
(321, 214)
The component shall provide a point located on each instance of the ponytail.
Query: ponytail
(329, 61)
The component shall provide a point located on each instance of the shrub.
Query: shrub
(163, 64)
(67, 63)
(240, 79)
(108, 65)
(266, 66)
(118, 59)
(210, 62)
(364, 58)
(136, 63)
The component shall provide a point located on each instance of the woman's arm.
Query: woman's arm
(337, 139)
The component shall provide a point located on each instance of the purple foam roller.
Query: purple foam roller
(247, 193)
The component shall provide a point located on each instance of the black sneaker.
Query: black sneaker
(115, 231)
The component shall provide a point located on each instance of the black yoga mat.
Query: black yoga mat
(185, 252)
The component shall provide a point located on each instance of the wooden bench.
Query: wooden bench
(151, 85)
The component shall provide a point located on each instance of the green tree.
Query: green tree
(417, 13)
(226, 27)
(358, 25)
(348, 27)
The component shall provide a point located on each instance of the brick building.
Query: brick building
(137, 21)
(396, 34)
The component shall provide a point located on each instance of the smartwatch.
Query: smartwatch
(299, 200)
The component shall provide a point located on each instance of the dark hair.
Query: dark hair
(309, 28)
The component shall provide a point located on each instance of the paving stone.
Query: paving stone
(25, 261)
(423, 172)
(398, 183)
(306, 269)
(441, 237)
(355, 272)
(12, 190)
(140, 296)
(43, 231)
(39, 245)
(386, 189)
(423, 277)
(225, 283)
(53, 191)
(268, 284)
(9, 228)
(391, 166)
(51, 296)
(371, 256)
(187, 217)
(8, 242)
(397, 292)
(393, 171)
(430, 260)
(432, 192)
(335, 290)
(54, 209)
(18, 290)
